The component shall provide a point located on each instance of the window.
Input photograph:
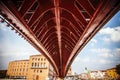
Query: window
(20, 69)
(38, 64)
(44, 65)
(32, 58)
(40, 71)
(37, 71)
(35, 64)
(41, 65)
(27, 69)
(23, 69)
(41, 59)
(32, 64)
(34, 70)
(44, 59)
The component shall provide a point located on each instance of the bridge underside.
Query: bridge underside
(59, 29)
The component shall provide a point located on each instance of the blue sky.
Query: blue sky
(102, 51)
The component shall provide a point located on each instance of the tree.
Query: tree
(118, 69)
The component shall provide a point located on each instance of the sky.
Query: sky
(102, 51)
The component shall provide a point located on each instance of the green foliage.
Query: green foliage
(118, 69)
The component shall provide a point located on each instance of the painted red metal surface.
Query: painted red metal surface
(59, 29)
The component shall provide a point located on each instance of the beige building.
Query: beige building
(112, 73)
(69, 73)
(18, 69)
(39, 68)
(36, 68)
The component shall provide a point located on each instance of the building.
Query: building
(83, 76)
(18, 69)
(3, 73)
(36, 68)
(112, 73)
(40, 68)
(100, 74)
(69, 73)
(108, 74)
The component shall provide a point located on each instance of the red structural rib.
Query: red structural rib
(59, 29)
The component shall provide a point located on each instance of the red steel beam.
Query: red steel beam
(25, 7)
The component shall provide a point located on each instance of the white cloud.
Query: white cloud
(106, 39)
(97, 55)
(13, 47)
(77, 59)
(110, 34)
(104, 61)
(93, 41)
(117, 52)
(3, 27)
(82, 60)
(99, 61)
(103, 52)
(99, 58)
(100, 50)
(15, 50)
(106, 55)
(86, 59)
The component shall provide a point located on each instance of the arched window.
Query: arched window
(44, 65)
(41, 65)
(38, 65)
(35, 64)
(32, 64)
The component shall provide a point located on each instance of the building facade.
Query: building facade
(108, 74)
(112, 73)
(69, 73)
(3, 73)
(40, 68)
(18, 69)
(100, 74)
(36, 68)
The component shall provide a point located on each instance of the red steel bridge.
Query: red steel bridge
(59, 29)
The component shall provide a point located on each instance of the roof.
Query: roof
(111, 68)
(36, 55)
(19, 60)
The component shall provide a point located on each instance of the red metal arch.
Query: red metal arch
(43, 20)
